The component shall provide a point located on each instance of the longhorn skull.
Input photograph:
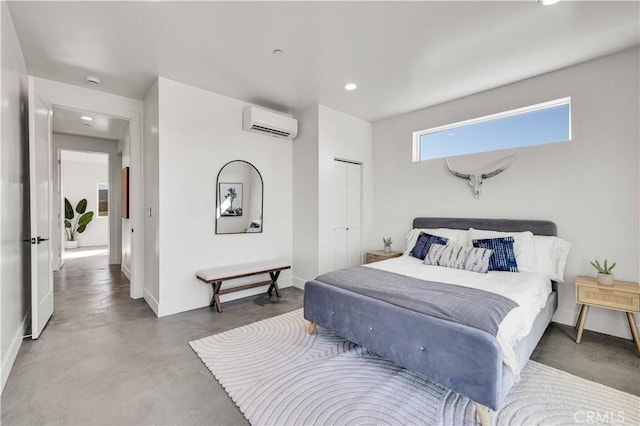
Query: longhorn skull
(476, 180)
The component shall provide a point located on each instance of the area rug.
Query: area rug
(279, 375)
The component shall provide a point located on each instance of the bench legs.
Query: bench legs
(215, 299)
(274, 283)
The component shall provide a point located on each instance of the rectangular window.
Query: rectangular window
(103, 200)
(538, 124)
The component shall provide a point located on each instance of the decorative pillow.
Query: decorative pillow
(459, 257)
(455, 236)
(523, 246)
(503, 257)
(551, 256)
(424, 242)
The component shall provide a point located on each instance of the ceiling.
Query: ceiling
(102, 126)
(403, 55)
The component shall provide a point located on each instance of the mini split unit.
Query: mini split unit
(260, 120)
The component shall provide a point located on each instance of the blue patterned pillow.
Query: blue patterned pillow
(424, 242)
(460, 257)
(503, 258)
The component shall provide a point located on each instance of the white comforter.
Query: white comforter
(530, 290)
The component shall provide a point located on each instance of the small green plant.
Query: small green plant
(603, 269)
(387, 241)
(72, 229)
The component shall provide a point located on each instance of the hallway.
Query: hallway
(106, 359)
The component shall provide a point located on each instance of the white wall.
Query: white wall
(326, 134)
(588, 187)
(82, 143)
(305, 197)
(15, 287)
(151, 243)
(200, 131)
(80, 180)
(348, 138)
(124, 148)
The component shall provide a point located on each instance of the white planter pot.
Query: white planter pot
(387, 249)
(605, 279)
(71, 244)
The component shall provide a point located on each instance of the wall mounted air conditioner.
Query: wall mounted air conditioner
(260, 120)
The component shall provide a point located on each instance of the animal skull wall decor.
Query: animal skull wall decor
(476, 180)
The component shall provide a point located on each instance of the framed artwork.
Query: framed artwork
(230, 199)
(125, 193)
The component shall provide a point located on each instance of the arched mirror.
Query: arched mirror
(239, 199)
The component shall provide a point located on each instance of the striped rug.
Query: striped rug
(279, 375)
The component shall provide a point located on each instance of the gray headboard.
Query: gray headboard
(538, 227)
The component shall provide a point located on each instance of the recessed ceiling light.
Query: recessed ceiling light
(92, 79)
(350, 86)
(548, 2)
(86, 118)
(278, 52)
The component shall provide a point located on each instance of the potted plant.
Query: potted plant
(605, 277)
(73, 228)
(387, 244)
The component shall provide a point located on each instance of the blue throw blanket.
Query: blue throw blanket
(463, 305)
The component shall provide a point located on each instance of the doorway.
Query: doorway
(84, 197)
(89, 150)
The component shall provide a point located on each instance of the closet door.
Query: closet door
(346, 214)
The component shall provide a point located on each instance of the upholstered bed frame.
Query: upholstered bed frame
(461, 358)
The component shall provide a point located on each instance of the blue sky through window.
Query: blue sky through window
(548, 125)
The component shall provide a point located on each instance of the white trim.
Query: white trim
(14, 348)
(126, 271)
(490, 117)
(151, 301)
(298, 283)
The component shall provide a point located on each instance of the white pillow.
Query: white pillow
(454, 236)
(551, 256)
(523, 246)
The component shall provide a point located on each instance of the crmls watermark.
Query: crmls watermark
(599, 417)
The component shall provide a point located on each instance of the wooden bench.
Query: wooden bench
(216, 276)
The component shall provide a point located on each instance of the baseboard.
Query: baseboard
(126, 271)
(14, 348)
(202, 300)
(616, 325)
(151, 301)
(298, 283)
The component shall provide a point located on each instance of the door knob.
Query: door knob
(40, 239)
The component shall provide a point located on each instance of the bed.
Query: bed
(462, 358)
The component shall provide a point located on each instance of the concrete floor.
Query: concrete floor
(106, 359)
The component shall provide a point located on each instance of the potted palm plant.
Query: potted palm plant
(74, 227)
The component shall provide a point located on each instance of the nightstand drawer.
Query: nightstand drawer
(598, 296)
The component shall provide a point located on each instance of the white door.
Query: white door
(40, 211)
(346, 214)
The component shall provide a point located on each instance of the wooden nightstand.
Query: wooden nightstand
(621, 296)
(378, 255)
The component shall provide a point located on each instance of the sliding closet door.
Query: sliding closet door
(347, 194)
